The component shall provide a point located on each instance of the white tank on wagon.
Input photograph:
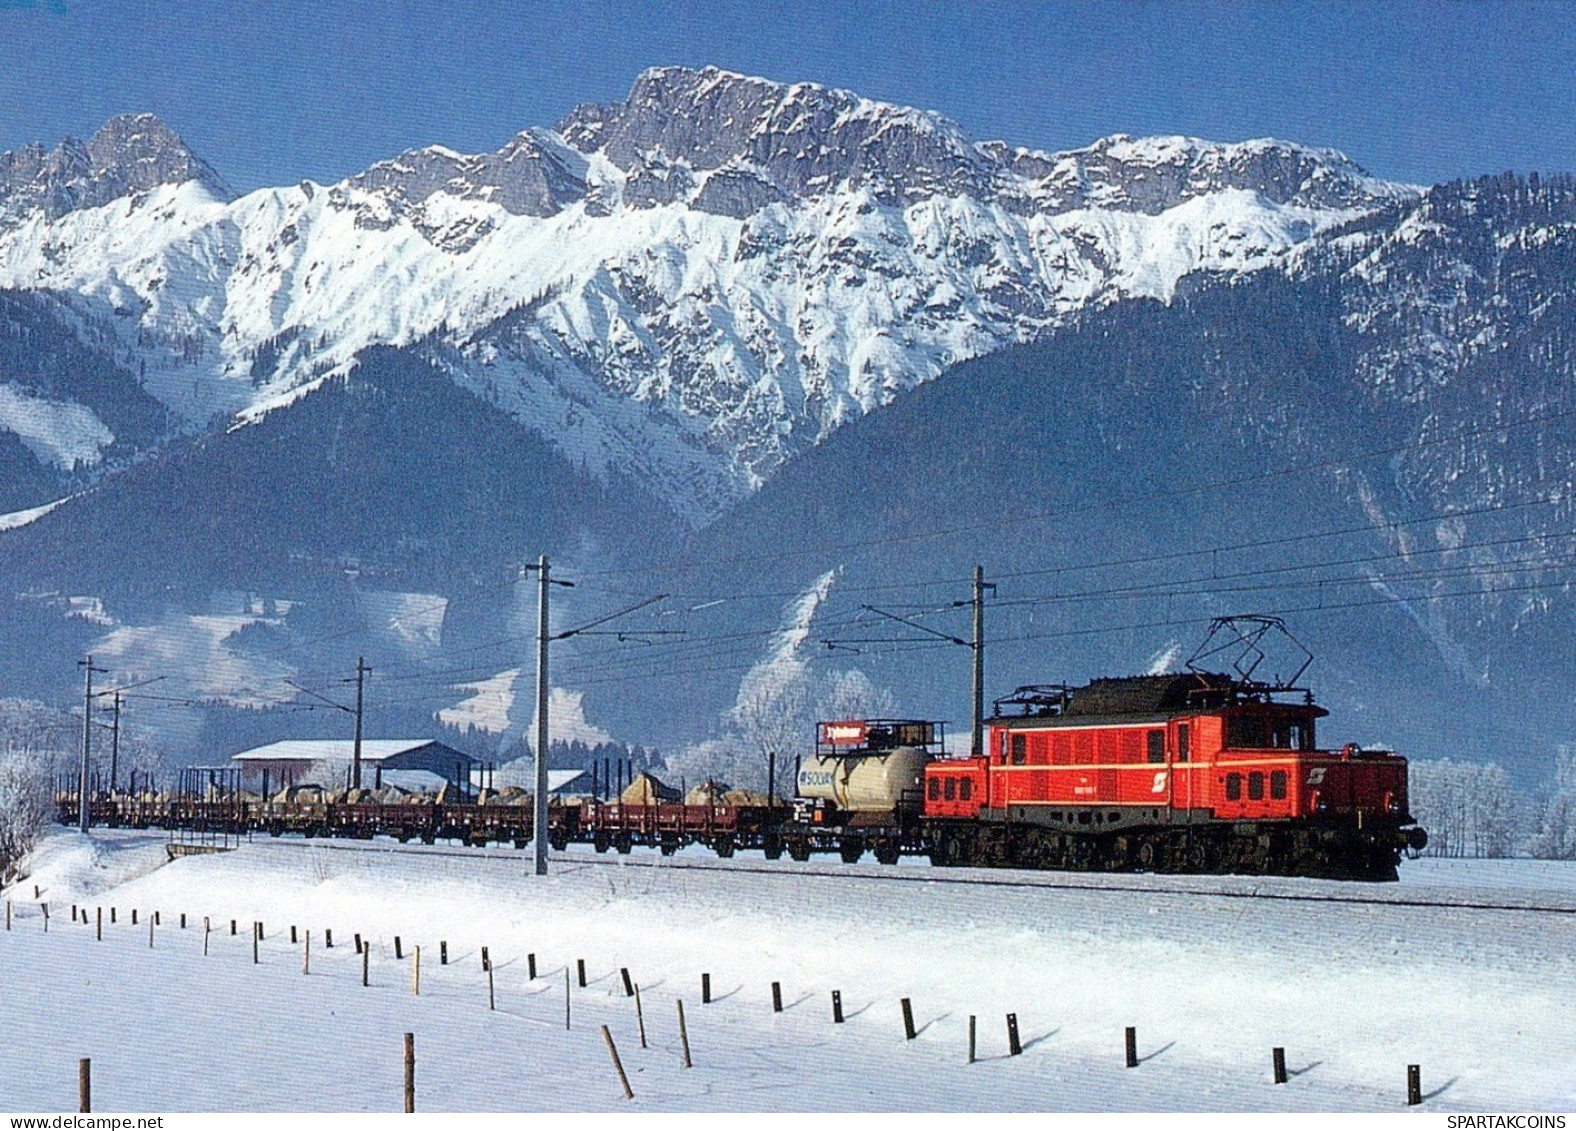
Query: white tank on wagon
(870, 765)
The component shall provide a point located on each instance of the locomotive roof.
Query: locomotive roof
(1137, 698)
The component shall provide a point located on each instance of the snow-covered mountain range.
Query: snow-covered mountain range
(693, 285)
(657, 335)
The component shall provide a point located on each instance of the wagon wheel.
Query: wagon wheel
(850, 850)
(723, 846)
(886, 853)
(1197, 856)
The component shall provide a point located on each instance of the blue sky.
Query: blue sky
(278, 92)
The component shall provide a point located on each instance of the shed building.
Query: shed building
(287, 763)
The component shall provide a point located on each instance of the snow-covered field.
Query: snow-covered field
(1452, 969)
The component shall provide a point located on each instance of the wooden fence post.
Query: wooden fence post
(566, 997)
(777, 997)
(1132, 1047)
(618, 1065)
(491, 1000)
(1278, 1062)
(705, 989)
(629, 988)
(410, 1073)
(415, 973)
(399, 953)
(908, 1020)
(366, 958)
(486, 960)
(206, 930)
(971, 1038)
(684, 1035)
(443, 952)
(837, 1007)
(640, 1017)
(98, 927)
(530, 965)
(1414, 1085)
(328, 937)
(1013, 1047)
(580, 967)
(85, 1085)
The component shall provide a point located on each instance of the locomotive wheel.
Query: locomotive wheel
(851, 851)
(1145, 856)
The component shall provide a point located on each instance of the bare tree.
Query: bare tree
(1555, 838)
(1469, 809)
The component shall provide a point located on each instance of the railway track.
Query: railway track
(978, 878)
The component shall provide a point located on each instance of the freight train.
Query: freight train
(1194, 772)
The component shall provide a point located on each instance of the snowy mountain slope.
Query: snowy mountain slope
(695, 285)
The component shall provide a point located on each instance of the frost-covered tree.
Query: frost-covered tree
(1555, 838)
(24, 807)
(1469, 809)
(37, 742)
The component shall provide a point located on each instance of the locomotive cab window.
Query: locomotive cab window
(1255, 786)
(1183, 734)
(952, 789)
(1244, 731)
(1020, 745)
(935, 789)
(1292, 734)
(1233, 787)
(966, 789)
(1278, 785)
(1156, 740)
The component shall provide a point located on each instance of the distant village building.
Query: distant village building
(416, 764)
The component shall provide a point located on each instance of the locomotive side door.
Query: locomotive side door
(1180, 795)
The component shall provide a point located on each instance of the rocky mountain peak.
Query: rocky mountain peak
(790, 140)
(129, 154)
(535, 174)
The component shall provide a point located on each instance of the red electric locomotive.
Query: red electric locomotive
(1192, 772)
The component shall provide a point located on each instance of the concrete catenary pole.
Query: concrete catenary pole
(539, 820)
(355, 749)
